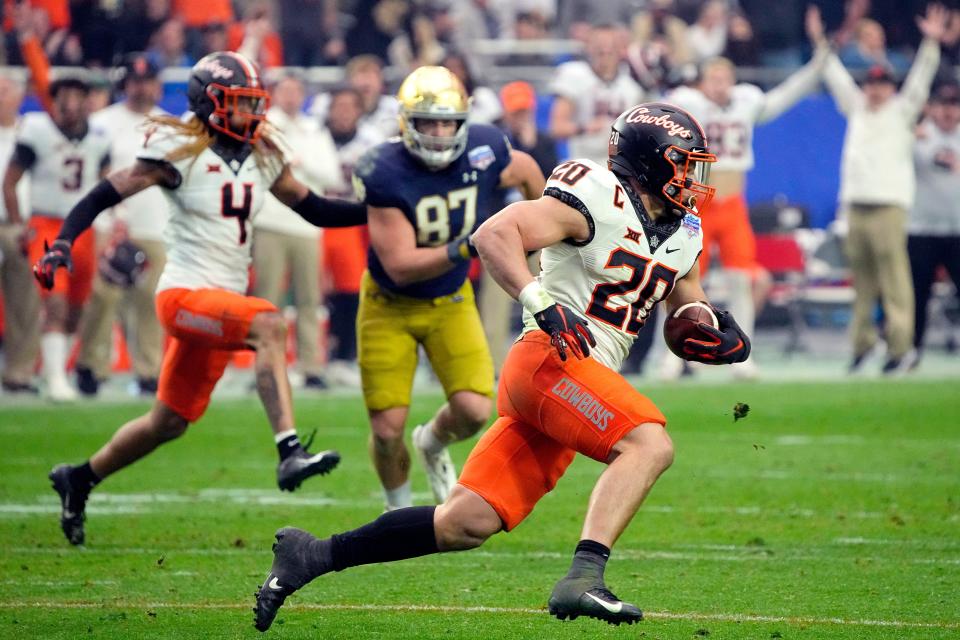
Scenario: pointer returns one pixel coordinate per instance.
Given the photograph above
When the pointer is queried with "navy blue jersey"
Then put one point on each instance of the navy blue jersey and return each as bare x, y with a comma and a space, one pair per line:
443, 206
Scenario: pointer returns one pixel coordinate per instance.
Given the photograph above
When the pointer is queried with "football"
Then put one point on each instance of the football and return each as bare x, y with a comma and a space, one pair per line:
682, 324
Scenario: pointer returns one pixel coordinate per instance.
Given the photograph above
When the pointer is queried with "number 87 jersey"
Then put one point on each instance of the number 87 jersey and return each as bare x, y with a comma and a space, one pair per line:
628, 264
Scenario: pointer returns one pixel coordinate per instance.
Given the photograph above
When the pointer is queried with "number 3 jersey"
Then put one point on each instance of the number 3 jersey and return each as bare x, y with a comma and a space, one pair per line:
208, 235
627, 265
62, 169
443, 206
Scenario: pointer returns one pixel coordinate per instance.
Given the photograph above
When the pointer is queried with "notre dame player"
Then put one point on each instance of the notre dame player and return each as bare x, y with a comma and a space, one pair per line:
425, 192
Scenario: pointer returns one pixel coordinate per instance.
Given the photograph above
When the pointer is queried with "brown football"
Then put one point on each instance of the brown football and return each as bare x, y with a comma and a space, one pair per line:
682, 324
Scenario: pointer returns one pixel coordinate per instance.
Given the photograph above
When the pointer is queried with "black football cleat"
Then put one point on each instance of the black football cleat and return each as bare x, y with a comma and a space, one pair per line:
72, 504
575, 597
295, 557
87, 382
299, 466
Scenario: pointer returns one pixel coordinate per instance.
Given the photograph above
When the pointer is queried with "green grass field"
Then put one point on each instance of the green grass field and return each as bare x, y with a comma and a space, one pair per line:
831, 511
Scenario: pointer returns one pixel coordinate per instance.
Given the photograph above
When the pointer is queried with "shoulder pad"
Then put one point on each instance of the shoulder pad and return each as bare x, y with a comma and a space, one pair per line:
587, 187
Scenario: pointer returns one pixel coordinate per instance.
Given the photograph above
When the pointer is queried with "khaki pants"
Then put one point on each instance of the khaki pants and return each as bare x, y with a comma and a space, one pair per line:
273, 255
21, 339
877, 249
137, 312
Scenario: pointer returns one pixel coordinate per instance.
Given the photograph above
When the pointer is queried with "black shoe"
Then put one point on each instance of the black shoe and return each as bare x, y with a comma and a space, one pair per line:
574, 597
147, 386
295, 557
299, 466
72, 504
20, 387
899, 366
317, 383
87, 383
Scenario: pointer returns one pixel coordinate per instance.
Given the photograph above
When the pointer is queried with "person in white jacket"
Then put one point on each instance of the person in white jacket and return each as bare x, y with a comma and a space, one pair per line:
877, 186
283, 242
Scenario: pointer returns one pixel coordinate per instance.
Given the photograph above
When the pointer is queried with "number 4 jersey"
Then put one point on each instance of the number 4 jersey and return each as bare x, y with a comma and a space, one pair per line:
216, 196
62, 169
627, 265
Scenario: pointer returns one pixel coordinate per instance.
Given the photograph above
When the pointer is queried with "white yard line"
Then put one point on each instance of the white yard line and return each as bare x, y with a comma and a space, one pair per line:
701, 553
417, 608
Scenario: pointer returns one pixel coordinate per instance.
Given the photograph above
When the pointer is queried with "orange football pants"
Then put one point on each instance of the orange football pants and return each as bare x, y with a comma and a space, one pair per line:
205, 326
549, 410
78, 284
726, 228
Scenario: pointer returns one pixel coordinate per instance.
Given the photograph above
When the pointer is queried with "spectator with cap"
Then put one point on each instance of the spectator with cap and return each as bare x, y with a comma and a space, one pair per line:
520, 124
934, 225
21, 335
284, 244
877, 187
131, 301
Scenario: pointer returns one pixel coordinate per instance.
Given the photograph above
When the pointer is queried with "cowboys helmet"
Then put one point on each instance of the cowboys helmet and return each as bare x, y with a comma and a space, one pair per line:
664, 148
224, 88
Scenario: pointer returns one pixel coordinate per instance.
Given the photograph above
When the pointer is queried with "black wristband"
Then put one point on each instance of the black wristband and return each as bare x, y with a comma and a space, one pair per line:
103, 196
326, 212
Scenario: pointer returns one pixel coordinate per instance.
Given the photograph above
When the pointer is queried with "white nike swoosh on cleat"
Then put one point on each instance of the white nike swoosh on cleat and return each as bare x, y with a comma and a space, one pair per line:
612, 608
275, 584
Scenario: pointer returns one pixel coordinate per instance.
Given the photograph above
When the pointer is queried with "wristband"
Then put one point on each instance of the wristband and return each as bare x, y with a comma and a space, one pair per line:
535, 298
458, 251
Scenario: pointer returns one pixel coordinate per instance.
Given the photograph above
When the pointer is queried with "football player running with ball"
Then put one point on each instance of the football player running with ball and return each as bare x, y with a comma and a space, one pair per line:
425, 193
214, 168
615, 242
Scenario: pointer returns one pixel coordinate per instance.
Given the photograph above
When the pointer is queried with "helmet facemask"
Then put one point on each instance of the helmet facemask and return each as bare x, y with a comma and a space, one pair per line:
434, 151
688, 189
249, 104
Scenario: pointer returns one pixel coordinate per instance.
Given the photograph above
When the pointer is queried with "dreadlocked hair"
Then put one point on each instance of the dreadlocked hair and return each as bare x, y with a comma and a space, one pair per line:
268, 149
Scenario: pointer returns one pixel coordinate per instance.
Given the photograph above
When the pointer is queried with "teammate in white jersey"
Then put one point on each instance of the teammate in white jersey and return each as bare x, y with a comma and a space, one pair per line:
215, 169
65, 157
729, 112
139, 220
615, 243
592, 92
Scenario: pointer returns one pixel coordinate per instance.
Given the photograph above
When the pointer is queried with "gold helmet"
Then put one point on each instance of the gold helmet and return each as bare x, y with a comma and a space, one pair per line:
433, 93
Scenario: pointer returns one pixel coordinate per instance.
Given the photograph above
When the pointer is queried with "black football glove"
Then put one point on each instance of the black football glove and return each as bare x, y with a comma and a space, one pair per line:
727, 345
566, 329
54, 257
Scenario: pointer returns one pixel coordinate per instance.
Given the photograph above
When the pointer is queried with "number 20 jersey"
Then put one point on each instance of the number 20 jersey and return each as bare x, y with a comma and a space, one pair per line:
626, 266
208, 235
443, 206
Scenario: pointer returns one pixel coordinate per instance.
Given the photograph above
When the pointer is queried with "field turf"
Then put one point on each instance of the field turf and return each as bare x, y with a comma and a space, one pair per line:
830, 511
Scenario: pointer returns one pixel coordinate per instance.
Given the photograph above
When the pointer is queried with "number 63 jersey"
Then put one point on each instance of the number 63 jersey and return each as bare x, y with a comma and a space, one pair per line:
208, 234
627, 265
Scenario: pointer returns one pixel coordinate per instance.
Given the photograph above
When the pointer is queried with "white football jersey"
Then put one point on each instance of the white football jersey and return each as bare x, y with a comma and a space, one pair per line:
348, 154
729, 129
627, 266
593, 98
8, 137
64, 170
208, 235
144, 213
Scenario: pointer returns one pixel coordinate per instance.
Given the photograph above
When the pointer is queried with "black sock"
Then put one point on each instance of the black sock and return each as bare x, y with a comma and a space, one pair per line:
289, 446
589, 559
396, 535
83, 478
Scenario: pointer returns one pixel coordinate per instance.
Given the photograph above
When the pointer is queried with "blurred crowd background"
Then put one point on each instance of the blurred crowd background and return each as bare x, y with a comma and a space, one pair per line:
332, 66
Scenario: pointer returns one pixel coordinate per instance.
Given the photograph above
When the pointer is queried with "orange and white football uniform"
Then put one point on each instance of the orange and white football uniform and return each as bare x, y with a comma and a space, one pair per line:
61, 171
551, 409
201, 297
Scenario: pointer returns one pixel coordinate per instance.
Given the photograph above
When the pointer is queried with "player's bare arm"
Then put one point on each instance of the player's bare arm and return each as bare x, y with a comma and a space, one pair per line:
524, 173
317, 210
563, 119
394, 239
503, 242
